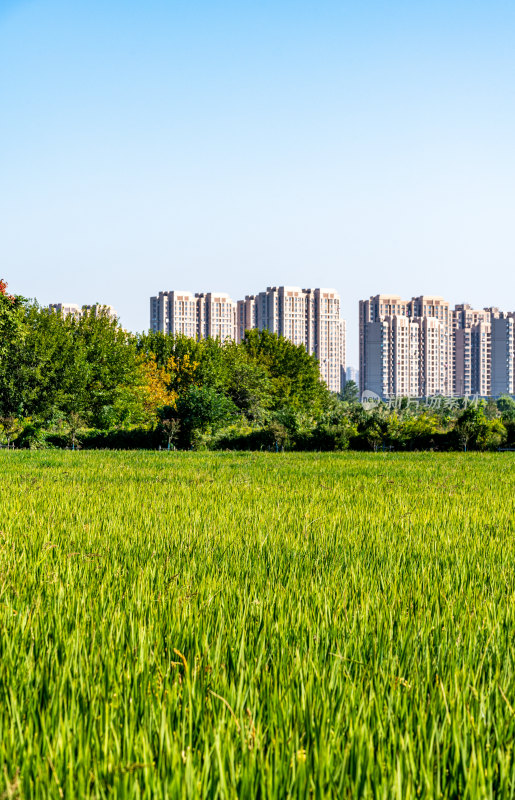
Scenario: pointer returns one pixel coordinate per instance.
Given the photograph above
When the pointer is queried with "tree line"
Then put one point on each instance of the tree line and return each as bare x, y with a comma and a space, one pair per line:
68, 381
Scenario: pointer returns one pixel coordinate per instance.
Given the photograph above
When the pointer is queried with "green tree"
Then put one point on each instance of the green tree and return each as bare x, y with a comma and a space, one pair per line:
247, 383
350, 392
294, 374
373, 428
419, 431
48, 375
11, 337
10, 426
110, 362
474, 431
11, 317
199, 409
506, 406
491, 409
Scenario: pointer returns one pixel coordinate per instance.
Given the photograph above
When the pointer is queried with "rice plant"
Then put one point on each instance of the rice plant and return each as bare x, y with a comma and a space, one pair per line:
187, 625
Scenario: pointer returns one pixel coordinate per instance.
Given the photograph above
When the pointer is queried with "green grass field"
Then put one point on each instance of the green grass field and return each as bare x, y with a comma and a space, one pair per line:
257, 626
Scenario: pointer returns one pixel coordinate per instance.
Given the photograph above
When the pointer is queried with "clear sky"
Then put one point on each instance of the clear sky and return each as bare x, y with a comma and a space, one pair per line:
232, 145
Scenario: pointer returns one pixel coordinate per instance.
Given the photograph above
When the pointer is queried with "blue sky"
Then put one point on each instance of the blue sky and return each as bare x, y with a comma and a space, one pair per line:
233, 145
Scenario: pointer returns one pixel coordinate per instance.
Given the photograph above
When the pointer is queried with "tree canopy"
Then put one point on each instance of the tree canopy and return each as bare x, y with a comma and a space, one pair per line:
84, 380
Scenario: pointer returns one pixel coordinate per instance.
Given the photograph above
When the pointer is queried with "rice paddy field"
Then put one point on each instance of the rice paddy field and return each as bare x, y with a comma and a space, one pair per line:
187, 625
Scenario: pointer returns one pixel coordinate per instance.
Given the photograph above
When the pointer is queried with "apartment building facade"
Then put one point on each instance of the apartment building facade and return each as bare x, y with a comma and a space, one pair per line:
217, 316
198, 316
484, 351
174, 312
423, 348
472, 350
405, 346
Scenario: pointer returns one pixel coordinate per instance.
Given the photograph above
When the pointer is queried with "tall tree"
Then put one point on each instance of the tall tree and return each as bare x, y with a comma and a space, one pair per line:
350, 392
294, 374
11, 335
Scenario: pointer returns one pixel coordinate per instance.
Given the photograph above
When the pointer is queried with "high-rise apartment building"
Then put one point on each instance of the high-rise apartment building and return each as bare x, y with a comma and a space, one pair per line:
503, 355
285, 310
438, 353
66, 309
484, 351
342, 355
174, 312
471, 349
197, 316
352, 374
307, 317
246, 316
329, 339
74, 310
216, 316
422, 348
405, 346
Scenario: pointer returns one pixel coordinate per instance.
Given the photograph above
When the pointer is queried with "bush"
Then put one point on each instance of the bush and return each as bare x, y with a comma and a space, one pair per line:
134, 439
33, 437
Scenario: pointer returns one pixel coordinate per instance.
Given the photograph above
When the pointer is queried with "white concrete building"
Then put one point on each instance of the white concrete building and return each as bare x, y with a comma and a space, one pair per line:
73, 309
216, 313
197, 316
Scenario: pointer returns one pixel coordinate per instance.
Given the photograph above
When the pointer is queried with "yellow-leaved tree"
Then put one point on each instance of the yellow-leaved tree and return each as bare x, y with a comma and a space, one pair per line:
182, 371
156, 387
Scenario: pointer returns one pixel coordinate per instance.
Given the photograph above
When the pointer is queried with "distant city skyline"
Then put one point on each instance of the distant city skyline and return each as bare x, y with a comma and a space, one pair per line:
349, 306
366, 146
352, 333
